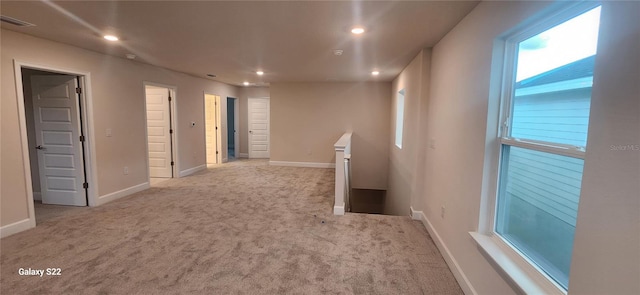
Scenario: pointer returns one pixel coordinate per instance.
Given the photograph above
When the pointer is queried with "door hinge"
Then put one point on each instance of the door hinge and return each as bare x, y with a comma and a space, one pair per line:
169, 98
78, 90
216, 152
172, 163
85, 185
216, 127
82, 138
170, 131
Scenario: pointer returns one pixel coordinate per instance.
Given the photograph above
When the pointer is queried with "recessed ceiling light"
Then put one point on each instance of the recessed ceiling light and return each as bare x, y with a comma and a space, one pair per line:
357, 30
131, 56
337, 52
375, 73
245, 83
211, 75
111, 37
260, 73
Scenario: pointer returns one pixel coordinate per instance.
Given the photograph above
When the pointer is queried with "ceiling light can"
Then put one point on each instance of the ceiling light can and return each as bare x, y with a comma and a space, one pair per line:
357, 30
111, 38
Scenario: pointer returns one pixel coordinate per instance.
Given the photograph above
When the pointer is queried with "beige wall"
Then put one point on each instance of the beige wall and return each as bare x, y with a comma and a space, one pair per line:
118, 103
308, 118
606, 257
460, 106
404, 162
244, 94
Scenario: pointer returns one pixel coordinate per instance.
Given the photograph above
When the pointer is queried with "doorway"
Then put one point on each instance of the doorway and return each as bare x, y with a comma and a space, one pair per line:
54, 131
259, 137
54, 107
212, 128
233, 143
160, 113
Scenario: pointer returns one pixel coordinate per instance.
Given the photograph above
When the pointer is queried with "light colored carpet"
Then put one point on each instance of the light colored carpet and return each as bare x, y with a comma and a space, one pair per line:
240, 228
154, 181
45, 212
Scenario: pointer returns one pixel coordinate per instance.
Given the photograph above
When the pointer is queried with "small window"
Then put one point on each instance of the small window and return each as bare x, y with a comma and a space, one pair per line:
399, 117
543, 139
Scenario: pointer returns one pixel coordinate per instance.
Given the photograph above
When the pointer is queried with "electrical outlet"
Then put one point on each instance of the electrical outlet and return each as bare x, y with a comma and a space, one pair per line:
442, 211
126, 170
109, 133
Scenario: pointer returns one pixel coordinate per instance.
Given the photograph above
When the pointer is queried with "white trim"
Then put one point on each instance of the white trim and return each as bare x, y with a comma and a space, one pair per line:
343, 142
243, 155
338, 210
16, 227
462, 279
415, 215
302, 164
193, 170
553, 148
520, 273
122, 193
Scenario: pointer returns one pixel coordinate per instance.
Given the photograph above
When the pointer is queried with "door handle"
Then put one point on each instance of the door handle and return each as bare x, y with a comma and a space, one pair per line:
40, 148
251, 131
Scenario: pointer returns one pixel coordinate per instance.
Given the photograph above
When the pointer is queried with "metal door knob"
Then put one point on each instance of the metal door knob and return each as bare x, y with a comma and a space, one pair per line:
40, 148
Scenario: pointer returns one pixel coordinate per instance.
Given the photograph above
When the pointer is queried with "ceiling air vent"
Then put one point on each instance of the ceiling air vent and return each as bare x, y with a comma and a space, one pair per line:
16, 22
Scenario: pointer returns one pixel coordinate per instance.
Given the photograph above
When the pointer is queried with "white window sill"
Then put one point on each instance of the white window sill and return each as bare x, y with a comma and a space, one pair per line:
520, 273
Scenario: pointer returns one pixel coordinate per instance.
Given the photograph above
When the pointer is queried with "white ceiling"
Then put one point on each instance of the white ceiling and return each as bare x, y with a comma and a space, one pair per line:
291, 41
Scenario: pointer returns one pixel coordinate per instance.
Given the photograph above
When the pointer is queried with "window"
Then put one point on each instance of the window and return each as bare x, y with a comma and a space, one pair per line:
543, 137
399, 118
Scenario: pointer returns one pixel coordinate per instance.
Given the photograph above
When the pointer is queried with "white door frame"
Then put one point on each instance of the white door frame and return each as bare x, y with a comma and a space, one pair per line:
236, 124
86, 101
218, 123
249, 124
174, 116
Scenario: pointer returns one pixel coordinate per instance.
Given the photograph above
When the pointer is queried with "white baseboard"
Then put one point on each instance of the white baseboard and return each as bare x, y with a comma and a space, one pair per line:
122, 193
16, 227
302, 164
190, 171
338, 210
462, 279
37, 196
243, 155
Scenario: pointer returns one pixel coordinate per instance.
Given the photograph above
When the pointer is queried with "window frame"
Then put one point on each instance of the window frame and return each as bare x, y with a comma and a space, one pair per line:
400, 117
514, 265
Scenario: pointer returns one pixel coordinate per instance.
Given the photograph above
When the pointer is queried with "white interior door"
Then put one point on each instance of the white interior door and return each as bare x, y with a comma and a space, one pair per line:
57, 126
259, 128
158, 132
211, 128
